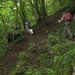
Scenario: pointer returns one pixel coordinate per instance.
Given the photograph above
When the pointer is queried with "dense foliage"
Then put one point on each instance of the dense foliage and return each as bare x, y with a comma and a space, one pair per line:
56, 57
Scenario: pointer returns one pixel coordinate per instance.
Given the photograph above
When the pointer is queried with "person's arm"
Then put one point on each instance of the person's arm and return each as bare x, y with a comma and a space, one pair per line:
61, 19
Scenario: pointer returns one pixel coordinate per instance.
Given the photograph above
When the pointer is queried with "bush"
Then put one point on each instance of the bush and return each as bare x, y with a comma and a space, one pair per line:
22, 56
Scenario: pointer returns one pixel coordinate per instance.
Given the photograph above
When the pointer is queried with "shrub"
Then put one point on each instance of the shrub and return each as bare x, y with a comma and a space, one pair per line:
22, 56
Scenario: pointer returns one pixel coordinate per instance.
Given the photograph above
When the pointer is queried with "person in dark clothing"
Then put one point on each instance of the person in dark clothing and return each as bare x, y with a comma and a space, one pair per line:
27, 23
28, 27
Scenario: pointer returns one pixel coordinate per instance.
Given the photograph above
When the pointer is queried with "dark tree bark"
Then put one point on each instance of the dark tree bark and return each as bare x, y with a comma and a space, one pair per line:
40, 9
61, 2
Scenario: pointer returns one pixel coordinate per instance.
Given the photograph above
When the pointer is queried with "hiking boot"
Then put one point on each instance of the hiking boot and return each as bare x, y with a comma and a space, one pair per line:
69, 38
27, 33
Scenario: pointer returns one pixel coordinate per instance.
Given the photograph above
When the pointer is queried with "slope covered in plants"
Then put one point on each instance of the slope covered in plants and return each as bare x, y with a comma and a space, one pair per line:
44, 53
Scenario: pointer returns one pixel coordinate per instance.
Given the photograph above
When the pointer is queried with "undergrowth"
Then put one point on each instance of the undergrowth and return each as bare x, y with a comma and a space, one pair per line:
55, 58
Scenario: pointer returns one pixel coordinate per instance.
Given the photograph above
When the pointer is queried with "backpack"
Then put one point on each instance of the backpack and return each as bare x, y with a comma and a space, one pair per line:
29, 24
68, 17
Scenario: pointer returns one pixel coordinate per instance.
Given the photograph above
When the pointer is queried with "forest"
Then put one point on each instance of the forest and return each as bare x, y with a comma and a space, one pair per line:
46, 51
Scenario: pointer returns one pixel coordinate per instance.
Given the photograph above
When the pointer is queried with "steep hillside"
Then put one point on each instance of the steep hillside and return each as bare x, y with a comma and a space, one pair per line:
9, 61
51, 22
39, 37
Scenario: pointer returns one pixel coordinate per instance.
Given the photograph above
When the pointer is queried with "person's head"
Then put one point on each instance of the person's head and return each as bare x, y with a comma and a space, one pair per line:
64, 12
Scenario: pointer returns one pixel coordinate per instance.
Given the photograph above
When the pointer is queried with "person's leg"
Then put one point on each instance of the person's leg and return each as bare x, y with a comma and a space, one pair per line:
65, 31
27, 28
68, 30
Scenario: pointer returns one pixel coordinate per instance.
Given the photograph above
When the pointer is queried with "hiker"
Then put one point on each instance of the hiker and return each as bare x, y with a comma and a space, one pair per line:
28, 27
67, 17
27, 23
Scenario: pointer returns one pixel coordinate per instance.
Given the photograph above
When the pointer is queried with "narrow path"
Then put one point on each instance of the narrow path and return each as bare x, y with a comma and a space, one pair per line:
9, 61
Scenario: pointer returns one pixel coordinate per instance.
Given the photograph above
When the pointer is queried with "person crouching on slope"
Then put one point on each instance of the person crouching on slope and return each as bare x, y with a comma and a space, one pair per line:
27, 27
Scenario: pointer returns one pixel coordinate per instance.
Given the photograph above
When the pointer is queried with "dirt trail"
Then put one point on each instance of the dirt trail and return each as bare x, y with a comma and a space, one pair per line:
9, 61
